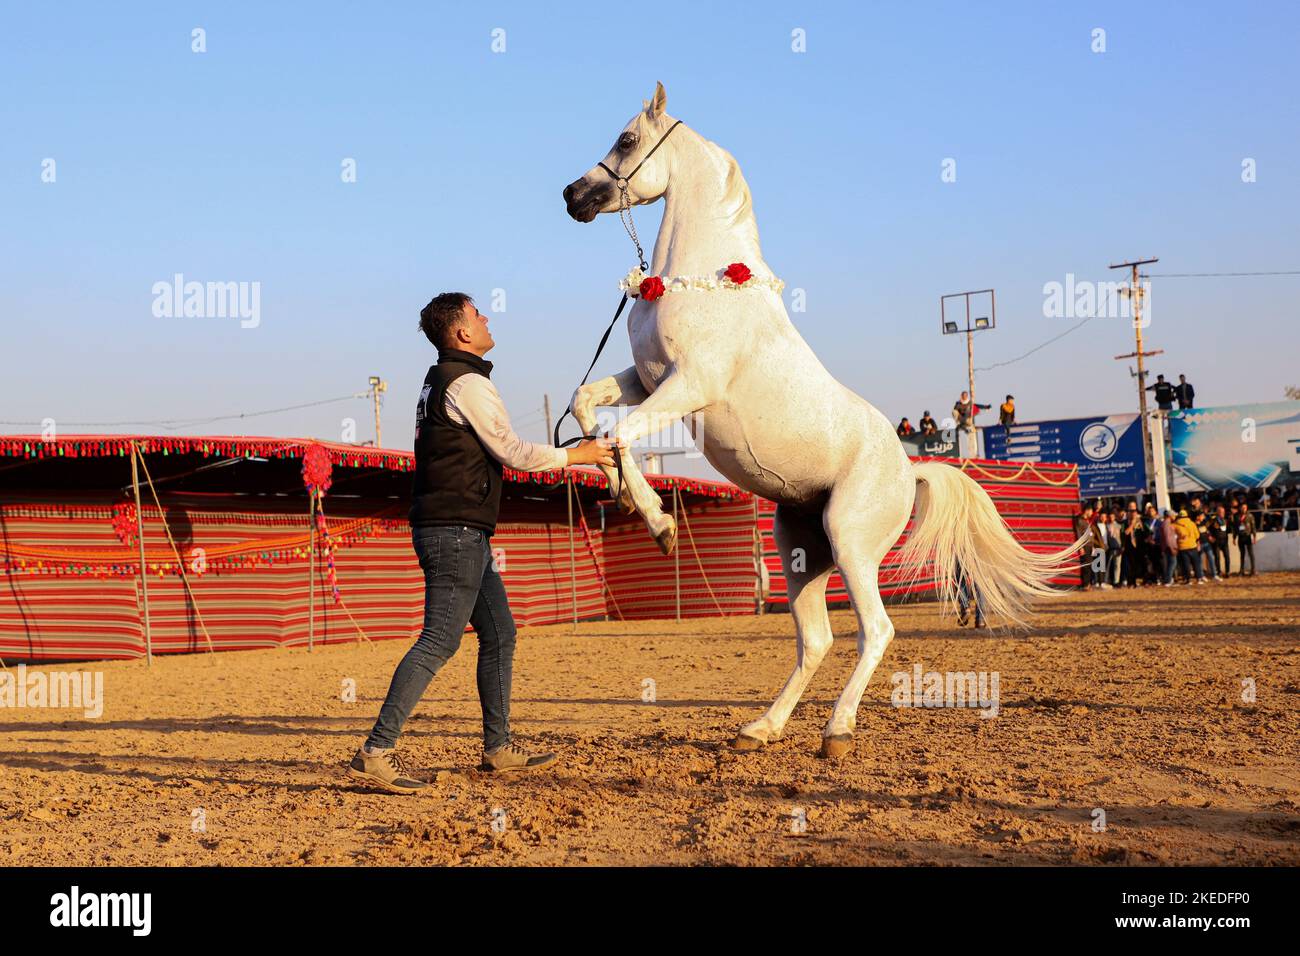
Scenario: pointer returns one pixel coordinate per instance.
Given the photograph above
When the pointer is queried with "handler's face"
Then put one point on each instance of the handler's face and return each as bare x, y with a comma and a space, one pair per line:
477, 338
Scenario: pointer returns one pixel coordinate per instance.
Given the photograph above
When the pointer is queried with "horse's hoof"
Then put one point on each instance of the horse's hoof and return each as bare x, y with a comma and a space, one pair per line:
837, 746
746, 742
667, 538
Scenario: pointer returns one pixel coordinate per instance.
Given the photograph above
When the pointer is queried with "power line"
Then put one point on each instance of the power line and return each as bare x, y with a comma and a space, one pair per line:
186, 422
1199, 275
1054, 338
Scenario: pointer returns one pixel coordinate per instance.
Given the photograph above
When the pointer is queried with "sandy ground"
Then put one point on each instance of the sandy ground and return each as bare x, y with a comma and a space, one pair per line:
1130, 704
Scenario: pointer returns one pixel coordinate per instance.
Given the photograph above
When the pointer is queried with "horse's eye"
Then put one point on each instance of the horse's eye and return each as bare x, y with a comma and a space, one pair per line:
627, 141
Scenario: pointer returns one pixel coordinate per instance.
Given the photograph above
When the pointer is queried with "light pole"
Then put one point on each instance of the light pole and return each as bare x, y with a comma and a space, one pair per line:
377, 388
962, 321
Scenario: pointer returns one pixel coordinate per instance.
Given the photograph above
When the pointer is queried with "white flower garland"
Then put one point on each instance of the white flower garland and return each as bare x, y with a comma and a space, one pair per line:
631, 283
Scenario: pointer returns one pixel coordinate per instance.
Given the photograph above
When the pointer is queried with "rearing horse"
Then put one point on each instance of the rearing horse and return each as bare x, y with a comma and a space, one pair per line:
719, 350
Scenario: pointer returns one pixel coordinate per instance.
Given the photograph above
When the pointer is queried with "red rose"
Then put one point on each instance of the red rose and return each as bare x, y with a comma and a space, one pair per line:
651, 288
738, 273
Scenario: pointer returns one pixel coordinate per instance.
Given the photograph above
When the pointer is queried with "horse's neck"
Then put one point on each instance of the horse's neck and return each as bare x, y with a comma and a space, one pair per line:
700, 236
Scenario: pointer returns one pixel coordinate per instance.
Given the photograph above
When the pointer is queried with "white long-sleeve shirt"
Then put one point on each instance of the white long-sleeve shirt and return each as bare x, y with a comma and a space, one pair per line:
474, 401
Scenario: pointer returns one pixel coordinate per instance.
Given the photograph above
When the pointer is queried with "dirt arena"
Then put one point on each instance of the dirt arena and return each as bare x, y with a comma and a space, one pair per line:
1127, 703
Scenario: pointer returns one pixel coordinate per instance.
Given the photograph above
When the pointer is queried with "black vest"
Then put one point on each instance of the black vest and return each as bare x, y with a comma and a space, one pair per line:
457, 481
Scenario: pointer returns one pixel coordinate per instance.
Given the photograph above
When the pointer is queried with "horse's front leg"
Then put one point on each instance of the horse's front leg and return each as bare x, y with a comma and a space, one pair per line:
671, 401
625, 388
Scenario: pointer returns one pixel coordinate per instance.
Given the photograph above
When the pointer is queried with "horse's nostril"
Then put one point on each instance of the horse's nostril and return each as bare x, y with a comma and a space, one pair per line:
568, 193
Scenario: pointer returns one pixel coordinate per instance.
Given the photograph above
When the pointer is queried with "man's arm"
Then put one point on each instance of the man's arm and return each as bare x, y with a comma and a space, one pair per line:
474, 401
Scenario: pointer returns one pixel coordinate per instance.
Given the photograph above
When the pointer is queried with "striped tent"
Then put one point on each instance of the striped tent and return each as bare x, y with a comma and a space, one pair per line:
238, 513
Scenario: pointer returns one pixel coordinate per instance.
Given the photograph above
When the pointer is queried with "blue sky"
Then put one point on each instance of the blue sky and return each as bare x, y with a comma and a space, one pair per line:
225, 166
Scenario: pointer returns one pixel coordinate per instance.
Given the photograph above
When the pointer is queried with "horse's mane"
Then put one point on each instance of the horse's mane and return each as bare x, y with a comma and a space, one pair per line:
736, 202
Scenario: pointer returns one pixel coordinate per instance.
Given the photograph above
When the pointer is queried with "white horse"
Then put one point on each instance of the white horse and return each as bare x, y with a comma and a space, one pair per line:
768, 416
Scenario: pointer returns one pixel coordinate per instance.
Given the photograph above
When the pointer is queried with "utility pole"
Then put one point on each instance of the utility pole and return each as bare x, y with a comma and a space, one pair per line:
377, 388
1136, 294
546, 406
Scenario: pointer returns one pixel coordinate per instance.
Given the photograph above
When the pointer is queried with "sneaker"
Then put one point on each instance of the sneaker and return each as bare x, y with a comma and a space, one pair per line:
962, 617
511, 757
386, 769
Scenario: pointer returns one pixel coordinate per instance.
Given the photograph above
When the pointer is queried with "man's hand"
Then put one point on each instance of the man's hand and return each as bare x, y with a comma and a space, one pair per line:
595, 451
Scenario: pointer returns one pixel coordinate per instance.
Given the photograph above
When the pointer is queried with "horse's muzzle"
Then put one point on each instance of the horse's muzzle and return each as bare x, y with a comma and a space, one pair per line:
584, 201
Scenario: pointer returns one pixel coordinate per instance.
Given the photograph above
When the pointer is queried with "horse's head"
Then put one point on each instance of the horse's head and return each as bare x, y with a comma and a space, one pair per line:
597, 191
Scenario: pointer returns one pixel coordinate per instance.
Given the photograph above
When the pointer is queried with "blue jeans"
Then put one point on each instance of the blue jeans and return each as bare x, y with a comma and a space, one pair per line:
461, 586
964, 589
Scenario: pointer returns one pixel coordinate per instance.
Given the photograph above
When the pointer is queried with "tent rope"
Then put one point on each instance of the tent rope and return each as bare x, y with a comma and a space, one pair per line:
690, 536
180, 562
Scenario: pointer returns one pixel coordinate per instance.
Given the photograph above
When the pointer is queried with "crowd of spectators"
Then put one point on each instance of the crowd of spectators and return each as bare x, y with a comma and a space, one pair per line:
1189, 543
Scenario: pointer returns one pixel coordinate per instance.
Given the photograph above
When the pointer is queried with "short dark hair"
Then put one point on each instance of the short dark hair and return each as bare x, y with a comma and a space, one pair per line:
440, 317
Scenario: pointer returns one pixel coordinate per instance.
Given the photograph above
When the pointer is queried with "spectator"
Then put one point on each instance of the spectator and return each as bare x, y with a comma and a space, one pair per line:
1007, 412
1155, 545
928, 424
966, 596
1085, 528
905, 429
1189, 537
1220, 534
1245, 531
964, 410
1110, 533
1184, 392
1205, 560
1164, 393
1168, 547
1133, 546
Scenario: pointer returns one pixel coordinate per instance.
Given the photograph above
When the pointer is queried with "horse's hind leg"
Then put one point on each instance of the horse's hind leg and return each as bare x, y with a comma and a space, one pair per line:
861, 537
806, 558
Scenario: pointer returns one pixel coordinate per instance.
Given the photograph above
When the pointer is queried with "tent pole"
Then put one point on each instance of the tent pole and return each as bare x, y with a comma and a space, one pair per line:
677, 560
573, 561
311, 570
144, 570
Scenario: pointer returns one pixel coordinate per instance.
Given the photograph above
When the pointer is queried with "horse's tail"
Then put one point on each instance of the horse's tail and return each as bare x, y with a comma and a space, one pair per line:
957, 523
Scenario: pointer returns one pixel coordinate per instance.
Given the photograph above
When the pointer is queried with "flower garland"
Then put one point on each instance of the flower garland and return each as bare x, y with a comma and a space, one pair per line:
637, 285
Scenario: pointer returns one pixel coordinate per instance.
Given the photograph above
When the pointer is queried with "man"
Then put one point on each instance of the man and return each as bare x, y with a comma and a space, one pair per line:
928, 425
1085, 527
1007, 412
1205, 560
964, 410
463, 439
1164, 394
1134, 546
967, 595
1189, 537
905, 429
1184, 392
1169, 546
1245, 531
1220, 534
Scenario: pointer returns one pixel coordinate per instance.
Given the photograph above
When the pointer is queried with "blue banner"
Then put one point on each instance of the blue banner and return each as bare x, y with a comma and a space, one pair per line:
1234, 446
1108, 450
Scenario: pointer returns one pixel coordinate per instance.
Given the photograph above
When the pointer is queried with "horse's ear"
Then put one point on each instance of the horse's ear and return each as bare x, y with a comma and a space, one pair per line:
655, 107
